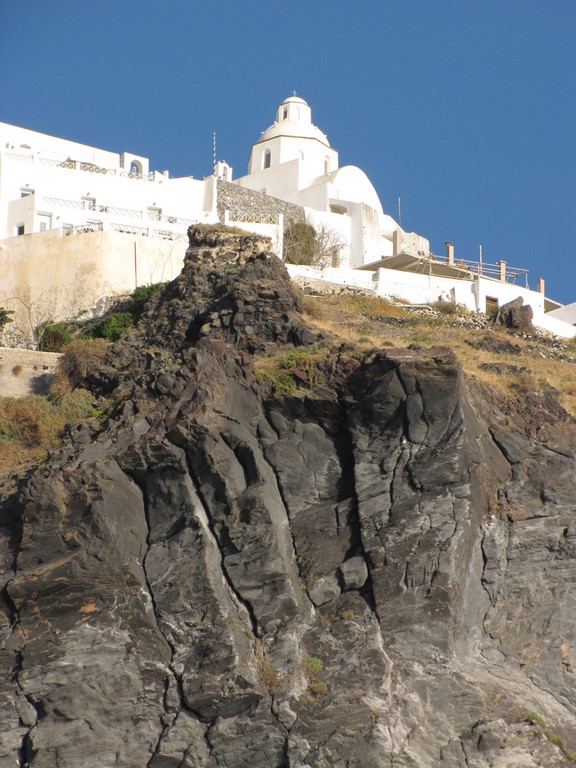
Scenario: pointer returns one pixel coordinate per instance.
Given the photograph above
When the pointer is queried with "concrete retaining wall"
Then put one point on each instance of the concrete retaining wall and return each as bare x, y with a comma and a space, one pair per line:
25, 372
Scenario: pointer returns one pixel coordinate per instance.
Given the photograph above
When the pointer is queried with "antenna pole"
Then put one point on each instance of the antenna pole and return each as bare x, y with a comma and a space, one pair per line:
214, 152
399, 213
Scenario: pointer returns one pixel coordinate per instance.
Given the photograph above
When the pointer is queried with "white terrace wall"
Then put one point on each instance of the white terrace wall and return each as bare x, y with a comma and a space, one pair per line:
46, 276
341, 276
423, 289
427, 289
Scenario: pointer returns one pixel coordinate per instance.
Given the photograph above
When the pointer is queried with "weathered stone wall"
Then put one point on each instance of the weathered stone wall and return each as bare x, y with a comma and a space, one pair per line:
236, 199
24, 372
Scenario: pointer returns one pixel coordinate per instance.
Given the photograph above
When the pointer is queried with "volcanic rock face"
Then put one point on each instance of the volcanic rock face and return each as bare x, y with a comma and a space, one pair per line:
376, 572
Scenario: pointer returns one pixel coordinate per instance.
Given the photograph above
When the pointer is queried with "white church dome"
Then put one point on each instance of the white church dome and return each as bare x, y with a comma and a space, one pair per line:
294, 118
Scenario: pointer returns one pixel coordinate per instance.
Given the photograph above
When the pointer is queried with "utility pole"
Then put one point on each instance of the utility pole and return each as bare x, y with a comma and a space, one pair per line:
214, 153
399, 213
480, 247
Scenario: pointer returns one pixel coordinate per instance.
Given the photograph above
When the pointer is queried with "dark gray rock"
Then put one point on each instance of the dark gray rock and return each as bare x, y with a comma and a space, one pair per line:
378, 572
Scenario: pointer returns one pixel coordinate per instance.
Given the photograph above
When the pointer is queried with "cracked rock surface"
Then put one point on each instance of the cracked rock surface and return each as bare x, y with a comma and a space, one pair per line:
378, 571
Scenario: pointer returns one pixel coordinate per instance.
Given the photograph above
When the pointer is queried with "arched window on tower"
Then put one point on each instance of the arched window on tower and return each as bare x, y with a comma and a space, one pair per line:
284, 113
266, 159
326, 164
135, 168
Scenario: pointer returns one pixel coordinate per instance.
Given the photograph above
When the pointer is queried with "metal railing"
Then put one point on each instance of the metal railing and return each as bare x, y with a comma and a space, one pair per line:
129, 229
130, 213
82, 165
501, 272
57, 201
253, 217
166, 235
93, 226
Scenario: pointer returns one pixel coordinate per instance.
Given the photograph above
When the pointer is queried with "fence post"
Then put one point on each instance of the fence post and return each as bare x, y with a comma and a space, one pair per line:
502, 270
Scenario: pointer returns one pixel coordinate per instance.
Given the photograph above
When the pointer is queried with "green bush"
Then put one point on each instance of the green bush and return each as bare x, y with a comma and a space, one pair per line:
53, 337
5, 317
140, 297
113, 326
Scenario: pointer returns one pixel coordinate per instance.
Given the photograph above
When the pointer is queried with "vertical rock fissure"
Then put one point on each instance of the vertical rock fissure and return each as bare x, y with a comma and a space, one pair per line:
368, 589
233, 591
177, 678
26, 752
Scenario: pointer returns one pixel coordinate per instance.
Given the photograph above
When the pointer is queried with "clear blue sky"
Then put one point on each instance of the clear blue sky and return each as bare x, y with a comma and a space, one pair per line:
465, 109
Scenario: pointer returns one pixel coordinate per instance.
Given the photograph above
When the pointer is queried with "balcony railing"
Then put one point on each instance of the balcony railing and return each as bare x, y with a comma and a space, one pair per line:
128, 229
130, 213
80, 165
501, 271
253, 217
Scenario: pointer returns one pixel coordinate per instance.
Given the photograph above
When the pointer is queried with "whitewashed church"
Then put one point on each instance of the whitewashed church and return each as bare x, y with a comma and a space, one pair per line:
79, 224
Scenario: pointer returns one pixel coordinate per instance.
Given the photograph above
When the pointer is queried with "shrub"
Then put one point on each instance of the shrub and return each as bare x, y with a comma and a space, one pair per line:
31, 420
140, 297
79, 358
313, 666
291, 368
299, 239
303, 244
113, 326
34, 421
5, 317
450, 308
53, 337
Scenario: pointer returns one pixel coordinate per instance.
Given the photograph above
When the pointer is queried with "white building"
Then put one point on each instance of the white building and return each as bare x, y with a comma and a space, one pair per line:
79, 224
293, 160
51, 183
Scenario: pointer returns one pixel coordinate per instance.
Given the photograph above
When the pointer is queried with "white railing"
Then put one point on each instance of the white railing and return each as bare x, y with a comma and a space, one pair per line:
175, 220
64, 203
165, 235
252, 217
130, 213
129, 229
81, 165
93, 226
25, 158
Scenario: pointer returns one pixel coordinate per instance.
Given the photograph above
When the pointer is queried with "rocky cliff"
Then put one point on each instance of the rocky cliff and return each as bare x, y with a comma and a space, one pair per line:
375, 571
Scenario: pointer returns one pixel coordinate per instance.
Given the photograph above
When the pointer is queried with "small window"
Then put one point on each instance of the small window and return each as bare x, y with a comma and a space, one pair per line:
20, 229
284, 113
26, 192
326, 165
267, 158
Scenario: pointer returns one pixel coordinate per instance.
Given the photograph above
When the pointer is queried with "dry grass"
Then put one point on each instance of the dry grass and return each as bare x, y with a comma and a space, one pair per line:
31, 425
79, 358
268, 675
365, 322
